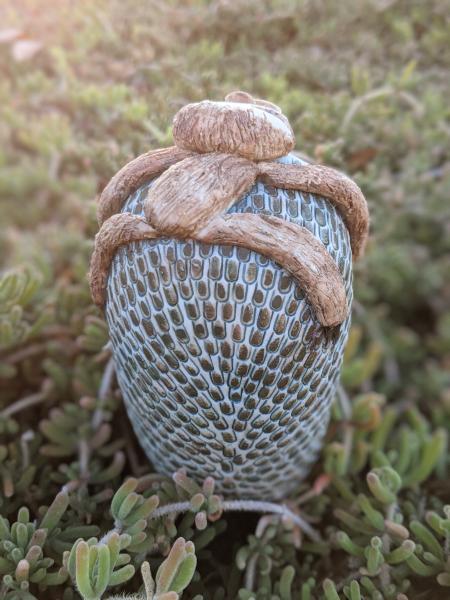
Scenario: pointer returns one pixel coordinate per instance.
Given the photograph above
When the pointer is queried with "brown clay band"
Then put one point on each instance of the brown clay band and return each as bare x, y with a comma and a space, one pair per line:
135, 173
191, 193
118, 230
295, 249
340, 190
188, 202
290, 245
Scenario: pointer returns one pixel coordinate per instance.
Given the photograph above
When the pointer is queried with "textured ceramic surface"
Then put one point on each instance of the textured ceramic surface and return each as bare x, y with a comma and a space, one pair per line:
223, 365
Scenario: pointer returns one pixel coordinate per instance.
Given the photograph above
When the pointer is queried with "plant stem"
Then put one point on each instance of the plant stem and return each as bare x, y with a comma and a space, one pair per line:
385, 575
246, 506
344, 402
25, 438
24, 353
22, 404
84, 449
104, 390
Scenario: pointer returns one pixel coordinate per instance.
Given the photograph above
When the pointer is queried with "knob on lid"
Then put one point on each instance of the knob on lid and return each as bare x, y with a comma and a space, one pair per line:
242, 125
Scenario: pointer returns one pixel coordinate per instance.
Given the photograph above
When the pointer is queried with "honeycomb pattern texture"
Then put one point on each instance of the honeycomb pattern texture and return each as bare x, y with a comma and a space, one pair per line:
223, 366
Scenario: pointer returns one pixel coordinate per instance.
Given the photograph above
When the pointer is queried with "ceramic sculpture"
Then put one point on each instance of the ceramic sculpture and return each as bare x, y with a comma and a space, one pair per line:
224, 266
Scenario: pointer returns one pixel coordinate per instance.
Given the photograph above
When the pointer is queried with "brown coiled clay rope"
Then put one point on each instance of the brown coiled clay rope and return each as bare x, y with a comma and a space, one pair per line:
221, 149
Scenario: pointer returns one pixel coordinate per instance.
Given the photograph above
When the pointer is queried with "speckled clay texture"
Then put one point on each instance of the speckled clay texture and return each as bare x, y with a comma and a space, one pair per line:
223, 365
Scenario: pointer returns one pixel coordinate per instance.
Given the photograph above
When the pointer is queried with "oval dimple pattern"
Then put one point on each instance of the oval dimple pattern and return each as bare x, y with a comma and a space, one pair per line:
223, 366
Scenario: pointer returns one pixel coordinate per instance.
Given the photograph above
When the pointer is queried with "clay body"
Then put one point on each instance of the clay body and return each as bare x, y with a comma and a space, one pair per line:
223, 364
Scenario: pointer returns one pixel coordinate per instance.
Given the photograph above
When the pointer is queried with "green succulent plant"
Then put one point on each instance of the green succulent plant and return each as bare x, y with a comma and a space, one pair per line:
366, 89
172, 577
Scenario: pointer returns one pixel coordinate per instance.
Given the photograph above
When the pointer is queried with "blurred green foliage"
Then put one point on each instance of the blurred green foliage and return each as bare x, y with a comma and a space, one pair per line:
85, 86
